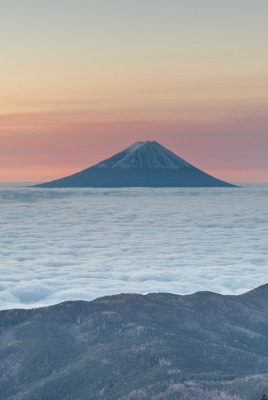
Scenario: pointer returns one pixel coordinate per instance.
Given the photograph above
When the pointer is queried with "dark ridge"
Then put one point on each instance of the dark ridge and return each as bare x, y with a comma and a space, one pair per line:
132, 346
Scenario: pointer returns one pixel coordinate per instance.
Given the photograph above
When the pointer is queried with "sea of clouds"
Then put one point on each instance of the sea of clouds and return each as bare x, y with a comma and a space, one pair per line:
66, 244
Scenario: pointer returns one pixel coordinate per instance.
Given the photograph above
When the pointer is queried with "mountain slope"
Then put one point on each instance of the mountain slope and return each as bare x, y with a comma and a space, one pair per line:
137, 347
144, 164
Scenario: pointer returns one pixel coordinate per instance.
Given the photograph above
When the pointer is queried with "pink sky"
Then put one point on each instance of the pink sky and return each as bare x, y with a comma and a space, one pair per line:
45, 146
82, 80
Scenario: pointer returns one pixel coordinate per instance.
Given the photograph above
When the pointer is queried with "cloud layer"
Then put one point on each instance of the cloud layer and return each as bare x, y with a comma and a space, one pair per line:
64, 244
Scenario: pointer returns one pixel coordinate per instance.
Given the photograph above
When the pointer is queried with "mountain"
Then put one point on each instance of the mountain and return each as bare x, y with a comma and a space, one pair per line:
159, 346
144, 164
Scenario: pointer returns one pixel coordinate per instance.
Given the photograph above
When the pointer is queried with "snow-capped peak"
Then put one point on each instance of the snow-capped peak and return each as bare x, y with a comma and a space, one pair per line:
149, 154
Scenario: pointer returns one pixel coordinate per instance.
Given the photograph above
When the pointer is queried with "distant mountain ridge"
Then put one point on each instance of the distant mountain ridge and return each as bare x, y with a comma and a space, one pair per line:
158, 346
144, 164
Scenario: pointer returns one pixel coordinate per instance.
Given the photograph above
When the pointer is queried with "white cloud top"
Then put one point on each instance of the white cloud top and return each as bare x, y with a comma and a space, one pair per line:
64, 244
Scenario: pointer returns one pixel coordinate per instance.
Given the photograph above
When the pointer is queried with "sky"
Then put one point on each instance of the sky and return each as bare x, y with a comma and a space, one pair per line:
81, 80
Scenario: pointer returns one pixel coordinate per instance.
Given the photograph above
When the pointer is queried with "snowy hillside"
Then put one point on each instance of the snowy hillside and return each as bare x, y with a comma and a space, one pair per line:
145, 155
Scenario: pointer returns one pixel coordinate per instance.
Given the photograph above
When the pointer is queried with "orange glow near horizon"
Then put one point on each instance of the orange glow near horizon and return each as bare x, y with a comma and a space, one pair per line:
87, 80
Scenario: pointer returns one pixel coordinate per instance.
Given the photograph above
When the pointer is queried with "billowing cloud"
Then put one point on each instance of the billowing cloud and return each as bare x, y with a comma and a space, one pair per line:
62, 244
